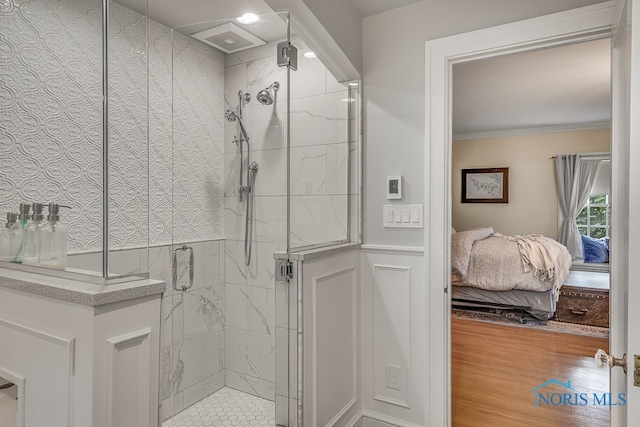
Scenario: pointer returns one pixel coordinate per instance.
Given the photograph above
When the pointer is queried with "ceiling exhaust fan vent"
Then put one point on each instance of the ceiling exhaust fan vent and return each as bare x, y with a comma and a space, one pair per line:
229, 38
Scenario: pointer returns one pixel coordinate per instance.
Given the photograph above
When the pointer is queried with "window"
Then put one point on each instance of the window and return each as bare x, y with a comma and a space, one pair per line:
594, 219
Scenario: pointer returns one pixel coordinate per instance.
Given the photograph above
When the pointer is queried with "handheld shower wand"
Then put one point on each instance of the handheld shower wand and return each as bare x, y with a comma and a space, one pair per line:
243, 99
252, 169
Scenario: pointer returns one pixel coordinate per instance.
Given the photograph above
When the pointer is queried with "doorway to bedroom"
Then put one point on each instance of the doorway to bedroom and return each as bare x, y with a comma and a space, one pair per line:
518, 326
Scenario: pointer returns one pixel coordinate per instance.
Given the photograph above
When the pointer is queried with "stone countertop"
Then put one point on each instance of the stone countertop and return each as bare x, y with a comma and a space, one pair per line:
78, 292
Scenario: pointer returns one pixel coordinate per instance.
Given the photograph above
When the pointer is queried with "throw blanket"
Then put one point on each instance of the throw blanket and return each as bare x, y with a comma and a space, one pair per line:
501, 263
539, 254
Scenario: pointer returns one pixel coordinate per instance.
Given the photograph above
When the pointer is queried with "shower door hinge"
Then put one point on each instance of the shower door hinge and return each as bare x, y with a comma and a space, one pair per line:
287, 55
284, 271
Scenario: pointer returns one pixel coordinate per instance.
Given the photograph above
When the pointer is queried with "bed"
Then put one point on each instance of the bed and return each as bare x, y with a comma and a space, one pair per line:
511, 272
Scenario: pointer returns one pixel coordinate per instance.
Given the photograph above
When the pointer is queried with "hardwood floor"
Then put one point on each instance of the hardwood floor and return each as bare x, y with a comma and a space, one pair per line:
495, 369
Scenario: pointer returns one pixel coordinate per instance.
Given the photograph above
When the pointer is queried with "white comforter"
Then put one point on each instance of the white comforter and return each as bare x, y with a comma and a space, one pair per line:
491, 261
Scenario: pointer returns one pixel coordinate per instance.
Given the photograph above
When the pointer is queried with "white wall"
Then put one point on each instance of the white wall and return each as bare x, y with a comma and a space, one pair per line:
394, 73
343, 22
394, 126
533, 197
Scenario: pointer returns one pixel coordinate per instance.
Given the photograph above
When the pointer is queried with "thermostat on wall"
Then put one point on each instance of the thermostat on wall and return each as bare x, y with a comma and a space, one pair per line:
394, 187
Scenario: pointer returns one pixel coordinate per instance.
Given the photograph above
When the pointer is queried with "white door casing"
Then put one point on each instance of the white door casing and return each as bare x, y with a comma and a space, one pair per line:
626, 198
572, 26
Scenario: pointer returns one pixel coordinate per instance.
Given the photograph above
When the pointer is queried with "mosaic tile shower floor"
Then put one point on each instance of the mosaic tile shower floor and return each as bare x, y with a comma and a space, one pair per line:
226, 407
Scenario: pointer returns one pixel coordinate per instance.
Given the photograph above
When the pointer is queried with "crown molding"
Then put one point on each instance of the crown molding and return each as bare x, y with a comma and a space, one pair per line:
532, 130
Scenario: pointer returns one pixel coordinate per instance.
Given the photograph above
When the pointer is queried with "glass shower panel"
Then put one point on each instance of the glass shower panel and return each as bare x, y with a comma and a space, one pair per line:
51, 120
127, 140
217, 121
320, 152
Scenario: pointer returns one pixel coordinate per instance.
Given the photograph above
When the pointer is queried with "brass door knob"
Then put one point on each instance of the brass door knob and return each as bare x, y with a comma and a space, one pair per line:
603, 360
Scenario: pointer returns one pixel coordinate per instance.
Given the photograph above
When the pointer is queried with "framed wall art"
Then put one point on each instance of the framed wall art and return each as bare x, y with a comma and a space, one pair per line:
487, 185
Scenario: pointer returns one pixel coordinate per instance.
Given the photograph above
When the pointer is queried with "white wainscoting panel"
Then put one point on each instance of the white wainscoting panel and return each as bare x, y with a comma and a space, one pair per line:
331, 340
392, 334
334, 359
47, 381
394, 357
128, 376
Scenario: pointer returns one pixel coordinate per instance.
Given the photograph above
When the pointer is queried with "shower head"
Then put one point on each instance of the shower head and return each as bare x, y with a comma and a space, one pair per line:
231, 115
244, 98
264, 96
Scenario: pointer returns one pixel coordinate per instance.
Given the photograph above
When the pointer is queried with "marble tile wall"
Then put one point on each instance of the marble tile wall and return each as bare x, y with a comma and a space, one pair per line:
319, 175
193, 338
192, 328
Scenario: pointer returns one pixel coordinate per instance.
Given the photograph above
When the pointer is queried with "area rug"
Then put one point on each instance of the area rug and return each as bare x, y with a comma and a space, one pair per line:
525, 320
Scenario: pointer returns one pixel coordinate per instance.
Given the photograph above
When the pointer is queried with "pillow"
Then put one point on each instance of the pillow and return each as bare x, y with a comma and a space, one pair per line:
461, 245
594, 250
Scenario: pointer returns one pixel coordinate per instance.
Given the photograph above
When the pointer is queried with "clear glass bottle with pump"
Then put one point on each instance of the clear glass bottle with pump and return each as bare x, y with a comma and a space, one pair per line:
5, 238
17, 232
53, 240
31, 237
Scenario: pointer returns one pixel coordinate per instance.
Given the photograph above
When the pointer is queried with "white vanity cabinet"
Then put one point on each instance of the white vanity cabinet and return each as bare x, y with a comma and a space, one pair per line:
82, 355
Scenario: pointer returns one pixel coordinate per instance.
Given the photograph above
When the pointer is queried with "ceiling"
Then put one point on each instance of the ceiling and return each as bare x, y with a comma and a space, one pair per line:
561, 88
187, 14
373, 7
176, 13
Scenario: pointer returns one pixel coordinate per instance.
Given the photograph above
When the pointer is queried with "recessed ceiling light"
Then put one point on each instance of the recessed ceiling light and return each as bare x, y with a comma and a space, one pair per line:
229, 41
310, 55
248, 18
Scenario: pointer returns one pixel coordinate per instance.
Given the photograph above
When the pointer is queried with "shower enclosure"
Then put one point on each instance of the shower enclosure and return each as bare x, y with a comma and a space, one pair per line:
272, 147
188, 154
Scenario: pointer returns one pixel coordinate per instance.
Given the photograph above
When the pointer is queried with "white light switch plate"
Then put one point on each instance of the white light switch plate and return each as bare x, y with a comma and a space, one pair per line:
402, 216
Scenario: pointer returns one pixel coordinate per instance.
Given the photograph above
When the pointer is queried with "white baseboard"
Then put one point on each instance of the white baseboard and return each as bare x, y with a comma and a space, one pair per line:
376, 419
356, 421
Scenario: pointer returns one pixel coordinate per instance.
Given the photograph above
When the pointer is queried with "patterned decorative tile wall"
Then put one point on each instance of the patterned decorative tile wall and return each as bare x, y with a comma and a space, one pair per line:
51, 70
198, 150
51, 102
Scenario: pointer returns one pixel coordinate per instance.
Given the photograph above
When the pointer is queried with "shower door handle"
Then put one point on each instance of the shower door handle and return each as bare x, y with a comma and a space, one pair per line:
175, 268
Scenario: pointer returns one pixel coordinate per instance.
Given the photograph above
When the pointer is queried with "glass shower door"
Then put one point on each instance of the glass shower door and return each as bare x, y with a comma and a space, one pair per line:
218, 136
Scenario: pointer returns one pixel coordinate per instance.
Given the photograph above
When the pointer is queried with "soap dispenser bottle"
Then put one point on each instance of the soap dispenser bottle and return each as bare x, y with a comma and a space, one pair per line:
17, 232
5, 238
31, 236
53, 240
